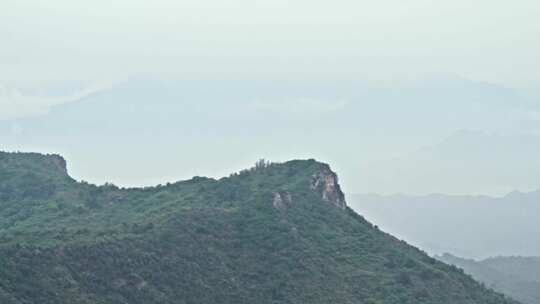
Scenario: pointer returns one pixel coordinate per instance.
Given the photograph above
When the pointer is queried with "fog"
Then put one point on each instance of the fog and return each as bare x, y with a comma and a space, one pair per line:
47, 42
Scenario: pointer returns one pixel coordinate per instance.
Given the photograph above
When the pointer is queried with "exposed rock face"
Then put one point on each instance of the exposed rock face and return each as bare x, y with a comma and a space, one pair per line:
282, 200
326, 184
59, 162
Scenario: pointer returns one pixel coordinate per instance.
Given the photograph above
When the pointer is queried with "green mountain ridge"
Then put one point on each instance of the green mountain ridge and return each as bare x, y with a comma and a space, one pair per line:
275, 233
518, 277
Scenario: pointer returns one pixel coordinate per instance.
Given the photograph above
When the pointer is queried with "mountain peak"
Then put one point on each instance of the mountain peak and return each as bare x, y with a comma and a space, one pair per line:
318, 176
47, 164
326, 183
31, 176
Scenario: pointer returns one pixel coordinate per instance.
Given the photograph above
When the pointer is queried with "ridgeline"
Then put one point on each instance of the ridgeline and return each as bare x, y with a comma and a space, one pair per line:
275, 233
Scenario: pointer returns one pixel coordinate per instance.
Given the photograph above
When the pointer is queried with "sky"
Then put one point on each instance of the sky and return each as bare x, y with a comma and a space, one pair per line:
317, 60
46, 42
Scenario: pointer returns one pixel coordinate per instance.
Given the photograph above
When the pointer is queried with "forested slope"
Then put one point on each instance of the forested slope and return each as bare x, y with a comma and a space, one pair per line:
276, 233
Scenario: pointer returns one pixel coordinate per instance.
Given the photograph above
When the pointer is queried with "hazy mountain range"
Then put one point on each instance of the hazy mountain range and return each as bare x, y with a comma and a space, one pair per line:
468, 226
386, 139
468, 162
518, 277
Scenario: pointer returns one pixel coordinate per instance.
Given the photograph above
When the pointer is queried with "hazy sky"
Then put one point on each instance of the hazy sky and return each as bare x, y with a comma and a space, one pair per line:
64, 40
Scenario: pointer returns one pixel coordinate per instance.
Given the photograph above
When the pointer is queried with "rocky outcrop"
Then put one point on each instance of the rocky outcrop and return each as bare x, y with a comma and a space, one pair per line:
58, 162
282, 200
326, 184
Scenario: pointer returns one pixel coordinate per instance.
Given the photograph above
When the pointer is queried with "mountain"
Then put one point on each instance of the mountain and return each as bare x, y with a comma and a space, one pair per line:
488, 226
466, 162
518, 277
377, 128
275, 233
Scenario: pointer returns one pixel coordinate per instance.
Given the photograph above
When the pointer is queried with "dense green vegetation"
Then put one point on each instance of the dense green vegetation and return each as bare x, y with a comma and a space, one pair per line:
518, 277
275, 233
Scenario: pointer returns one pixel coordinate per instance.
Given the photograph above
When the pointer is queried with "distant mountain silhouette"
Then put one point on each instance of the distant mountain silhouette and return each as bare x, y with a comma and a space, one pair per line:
467, 162
518, 277
122, 124
469, 226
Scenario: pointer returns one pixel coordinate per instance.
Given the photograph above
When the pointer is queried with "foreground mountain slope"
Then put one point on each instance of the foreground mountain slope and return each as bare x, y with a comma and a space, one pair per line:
278, 233
518, 277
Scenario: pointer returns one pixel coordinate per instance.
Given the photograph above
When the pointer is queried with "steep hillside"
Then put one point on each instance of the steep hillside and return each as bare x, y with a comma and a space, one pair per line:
518, 277
276, 233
